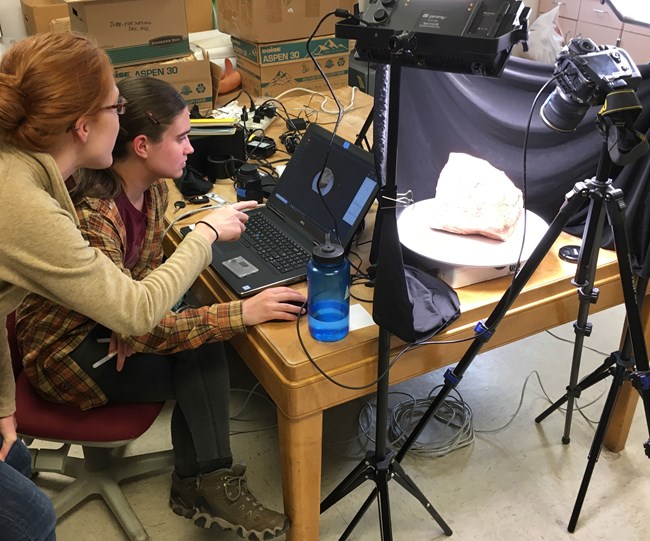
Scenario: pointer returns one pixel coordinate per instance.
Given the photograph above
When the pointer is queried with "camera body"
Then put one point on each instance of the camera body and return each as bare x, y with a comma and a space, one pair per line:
585, 74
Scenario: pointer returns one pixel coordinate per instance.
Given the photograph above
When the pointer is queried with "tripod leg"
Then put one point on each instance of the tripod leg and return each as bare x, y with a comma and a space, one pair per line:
407, 483
383, 502
597, 443
362, 511
597, 375
361, 473
616, 213
361, 137
584, 280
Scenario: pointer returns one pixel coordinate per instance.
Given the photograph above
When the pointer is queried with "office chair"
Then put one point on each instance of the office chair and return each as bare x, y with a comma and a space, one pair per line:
102, 432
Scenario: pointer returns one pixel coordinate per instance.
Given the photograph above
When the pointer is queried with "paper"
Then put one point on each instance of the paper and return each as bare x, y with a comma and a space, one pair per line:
359, 317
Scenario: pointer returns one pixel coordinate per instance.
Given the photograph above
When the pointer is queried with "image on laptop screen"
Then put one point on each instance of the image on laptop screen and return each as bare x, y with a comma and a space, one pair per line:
346, 185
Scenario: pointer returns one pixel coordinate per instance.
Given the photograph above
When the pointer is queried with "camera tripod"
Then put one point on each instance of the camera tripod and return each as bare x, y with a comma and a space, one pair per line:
582, 328
604, 200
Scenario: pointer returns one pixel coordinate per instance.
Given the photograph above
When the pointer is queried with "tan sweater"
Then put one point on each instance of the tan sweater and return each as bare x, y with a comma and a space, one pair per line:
42, 251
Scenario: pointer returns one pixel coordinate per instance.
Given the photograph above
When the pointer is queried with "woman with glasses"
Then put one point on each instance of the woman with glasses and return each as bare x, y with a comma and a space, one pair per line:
121, 211
59, 112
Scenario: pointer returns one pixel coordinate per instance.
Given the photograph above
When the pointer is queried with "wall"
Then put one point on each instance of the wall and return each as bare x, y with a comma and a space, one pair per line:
11, 19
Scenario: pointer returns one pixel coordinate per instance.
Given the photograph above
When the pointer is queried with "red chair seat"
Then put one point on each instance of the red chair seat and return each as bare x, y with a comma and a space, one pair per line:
63, 422
103, 434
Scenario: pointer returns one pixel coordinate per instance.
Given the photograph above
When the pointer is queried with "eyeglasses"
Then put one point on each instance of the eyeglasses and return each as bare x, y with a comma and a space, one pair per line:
120, 109
120, 106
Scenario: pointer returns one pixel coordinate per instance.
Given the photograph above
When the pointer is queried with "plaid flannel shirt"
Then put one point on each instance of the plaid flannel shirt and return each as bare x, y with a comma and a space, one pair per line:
49, 332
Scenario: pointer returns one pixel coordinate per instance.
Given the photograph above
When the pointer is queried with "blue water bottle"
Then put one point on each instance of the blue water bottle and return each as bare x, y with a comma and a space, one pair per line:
328, 290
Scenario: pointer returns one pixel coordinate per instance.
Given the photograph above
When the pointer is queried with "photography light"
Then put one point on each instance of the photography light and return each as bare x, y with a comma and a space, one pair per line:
447, 35
631, 11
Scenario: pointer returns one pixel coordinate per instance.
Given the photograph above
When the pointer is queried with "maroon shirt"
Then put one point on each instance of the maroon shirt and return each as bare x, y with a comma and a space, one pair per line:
135, 222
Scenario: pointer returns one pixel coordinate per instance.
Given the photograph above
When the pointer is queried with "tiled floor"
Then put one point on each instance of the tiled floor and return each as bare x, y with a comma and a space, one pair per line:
516, 483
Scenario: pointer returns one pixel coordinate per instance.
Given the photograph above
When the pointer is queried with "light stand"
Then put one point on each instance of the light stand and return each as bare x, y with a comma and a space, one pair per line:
394, 31
380, 465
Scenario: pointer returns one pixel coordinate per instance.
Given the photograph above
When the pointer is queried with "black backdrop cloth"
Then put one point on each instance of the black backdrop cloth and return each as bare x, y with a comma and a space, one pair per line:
486, 118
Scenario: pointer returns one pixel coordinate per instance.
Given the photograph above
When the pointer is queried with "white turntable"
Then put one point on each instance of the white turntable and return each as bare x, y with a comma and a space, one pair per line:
467, 259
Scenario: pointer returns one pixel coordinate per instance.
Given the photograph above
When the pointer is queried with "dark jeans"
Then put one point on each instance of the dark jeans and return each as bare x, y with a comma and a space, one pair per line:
197, 379
26, 514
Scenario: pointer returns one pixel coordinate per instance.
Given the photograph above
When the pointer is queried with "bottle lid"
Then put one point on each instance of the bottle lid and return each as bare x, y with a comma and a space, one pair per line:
328, 253
248, 171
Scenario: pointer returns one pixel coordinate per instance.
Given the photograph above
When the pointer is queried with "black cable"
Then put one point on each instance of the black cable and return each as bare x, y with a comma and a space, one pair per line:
338, 383
524, 182
252, 102
336, 125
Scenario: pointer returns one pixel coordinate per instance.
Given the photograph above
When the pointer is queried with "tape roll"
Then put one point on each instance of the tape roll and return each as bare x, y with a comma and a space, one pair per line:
220, 166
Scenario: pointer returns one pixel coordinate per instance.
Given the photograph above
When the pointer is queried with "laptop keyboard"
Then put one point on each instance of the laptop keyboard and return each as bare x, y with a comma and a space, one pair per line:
274, 245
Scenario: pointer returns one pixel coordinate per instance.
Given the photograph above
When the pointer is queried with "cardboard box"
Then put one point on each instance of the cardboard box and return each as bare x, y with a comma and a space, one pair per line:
362, 75
199, 15
133, 31
216, 71
264, 21
39, 13
62, 25
269, 69
189, 75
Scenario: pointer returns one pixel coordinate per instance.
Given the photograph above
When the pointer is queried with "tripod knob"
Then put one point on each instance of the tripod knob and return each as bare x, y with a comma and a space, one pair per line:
381, 15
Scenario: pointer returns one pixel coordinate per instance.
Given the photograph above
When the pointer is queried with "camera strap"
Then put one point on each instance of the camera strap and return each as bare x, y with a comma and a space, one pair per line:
618, 113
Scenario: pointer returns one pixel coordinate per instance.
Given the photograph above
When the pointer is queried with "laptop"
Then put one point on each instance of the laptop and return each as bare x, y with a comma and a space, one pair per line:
348, 186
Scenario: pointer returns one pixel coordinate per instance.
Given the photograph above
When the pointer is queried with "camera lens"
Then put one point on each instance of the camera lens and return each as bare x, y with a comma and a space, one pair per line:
561, 113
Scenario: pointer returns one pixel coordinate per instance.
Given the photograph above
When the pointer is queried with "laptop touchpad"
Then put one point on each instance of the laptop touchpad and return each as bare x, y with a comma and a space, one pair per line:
240, 266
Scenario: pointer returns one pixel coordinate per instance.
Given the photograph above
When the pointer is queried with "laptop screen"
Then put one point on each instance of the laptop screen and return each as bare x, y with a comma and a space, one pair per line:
348, 185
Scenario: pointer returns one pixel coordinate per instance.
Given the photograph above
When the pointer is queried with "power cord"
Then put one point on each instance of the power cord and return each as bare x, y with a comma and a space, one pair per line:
237, 416
453, 414
334, 381
290, 140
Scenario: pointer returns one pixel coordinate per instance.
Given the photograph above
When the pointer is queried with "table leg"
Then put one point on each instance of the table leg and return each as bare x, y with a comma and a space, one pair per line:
625, 406
300, 455
622, 415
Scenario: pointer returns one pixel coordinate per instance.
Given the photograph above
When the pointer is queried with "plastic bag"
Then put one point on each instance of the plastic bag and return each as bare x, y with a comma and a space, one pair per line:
545, 39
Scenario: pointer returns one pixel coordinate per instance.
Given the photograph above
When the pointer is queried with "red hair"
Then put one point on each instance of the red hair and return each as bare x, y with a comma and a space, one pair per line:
47, 82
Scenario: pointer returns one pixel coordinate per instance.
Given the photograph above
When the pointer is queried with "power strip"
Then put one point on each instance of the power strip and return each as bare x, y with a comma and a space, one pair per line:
233, 110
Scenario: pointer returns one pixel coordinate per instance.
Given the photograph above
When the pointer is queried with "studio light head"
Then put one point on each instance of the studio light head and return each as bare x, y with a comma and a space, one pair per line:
446, 35
585, 73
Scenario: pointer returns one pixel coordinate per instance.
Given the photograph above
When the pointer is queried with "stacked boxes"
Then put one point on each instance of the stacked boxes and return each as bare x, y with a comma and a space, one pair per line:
265, 21
133, 30
189, 75
147, 37
270, 42
268, 69
199, 15
39, 13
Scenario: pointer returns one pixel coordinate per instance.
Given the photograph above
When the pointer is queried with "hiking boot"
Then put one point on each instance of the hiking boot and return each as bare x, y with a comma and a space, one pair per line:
222, 498
183, 495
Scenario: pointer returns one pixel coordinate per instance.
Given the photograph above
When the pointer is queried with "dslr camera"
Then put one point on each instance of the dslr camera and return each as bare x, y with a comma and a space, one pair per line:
585, 74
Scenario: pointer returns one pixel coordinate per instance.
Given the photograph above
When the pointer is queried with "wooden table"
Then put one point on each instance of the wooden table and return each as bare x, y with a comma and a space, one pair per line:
301, 393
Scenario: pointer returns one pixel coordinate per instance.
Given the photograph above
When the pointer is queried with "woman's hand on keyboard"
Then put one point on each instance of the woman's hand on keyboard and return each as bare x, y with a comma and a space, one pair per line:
273, 304
228, 221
